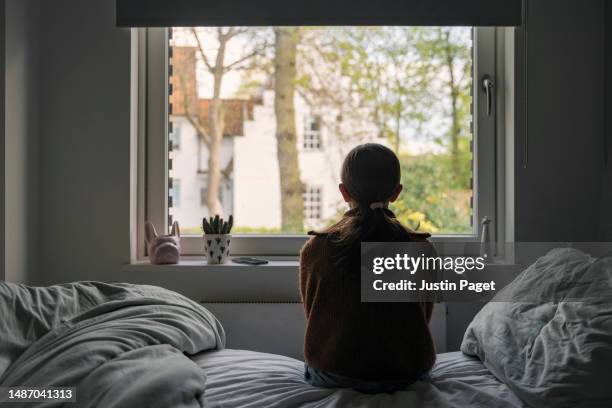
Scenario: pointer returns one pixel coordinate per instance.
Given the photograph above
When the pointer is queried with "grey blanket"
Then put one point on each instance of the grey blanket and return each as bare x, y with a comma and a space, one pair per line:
120, 345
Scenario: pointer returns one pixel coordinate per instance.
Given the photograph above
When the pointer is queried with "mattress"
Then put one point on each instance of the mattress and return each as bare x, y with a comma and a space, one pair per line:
240, 378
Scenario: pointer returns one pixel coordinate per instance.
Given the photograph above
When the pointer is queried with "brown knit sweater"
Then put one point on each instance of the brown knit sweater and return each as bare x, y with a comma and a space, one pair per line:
369, 341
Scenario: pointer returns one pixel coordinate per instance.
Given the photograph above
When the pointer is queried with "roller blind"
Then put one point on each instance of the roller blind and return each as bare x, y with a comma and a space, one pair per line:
172, 13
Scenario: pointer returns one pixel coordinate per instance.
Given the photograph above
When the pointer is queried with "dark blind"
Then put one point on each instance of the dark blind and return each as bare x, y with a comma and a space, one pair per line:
176, 13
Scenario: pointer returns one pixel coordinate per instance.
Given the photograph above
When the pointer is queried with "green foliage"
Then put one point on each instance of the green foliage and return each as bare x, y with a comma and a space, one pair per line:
217, 225
428, 201
411, 85
415, 83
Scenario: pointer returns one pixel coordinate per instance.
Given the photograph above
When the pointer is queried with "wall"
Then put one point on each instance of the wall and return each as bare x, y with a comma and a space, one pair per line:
608, 81
606, 202
85, 142
2, 137
21, 133
557, 194
248, 326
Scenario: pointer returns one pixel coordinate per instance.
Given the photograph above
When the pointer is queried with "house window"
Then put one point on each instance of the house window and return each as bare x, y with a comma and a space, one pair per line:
175, 138
312, 133
313, 203
174, 197
391, 85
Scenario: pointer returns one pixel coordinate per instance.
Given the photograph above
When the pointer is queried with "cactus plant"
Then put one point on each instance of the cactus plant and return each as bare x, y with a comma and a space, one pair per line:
217, 225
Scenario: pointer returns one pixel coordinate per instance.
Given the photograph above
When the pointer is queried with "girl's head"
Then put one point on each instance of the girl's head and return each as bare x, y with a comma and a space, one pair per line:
370, 181
370, 174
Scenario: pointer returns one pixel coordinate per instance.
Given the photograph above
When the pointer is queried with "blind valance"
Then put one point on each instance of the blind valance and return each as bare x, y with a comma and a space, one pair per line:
174, 13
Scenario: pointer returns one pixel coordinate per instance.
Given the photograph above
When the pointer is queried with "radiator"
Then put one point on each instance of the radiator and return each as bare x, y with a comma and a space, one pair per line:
278, 328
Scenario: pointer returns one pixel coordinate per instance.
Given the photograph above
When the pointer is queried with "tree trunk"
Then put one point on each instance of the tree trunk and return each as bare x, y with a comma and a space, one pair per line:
215, 118
292, 205
397, 141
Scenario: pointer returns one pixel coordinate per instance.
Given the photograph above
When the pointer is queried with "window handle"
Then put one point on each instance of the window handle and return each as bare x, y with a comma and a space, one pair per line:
485, 238
487, 86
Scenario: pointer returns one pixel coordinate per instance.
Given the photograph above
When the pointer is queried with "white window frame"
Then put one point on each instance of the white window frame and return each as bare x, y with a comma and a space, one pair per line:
308, 192
150, 51
308, 135
175, 139
175, 183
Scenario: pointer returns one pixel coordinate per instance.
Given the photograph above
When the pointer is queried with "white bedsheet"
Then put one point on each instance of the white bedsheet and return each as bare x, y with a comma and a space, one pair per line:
239, 378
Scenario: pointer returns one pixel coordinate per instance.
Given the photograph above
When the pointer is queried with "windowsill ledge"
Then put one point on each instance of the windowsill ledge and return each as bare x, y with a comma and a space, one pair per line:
194, 264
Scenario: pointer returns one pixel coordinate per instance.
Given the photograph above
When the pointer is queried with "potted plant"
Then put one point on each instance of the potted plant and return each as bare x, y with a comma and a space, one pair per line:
217, 238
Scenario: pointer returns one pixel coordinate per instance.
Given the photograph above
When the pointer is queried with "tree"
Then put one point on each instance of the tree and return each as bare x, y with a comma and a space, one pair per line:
454, 57
387, 76
292, 207
448, 55
210, 127
413, 80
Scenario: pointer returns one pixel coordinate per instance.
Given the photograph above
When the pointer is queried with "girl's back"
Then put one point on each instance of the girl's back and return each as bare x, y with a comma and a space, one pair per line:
345, 337
369, 341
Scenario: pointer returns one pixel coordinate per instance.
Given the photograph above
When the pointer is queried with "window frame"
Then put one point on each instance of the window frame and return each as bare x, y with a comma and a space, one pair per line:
174, 185
151, 51
175, 139
309, 136
311, 191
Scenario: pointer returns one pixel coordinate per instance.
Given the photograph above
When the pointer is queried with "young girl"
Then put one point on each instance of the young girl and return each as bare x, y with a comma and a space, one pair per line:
370, 347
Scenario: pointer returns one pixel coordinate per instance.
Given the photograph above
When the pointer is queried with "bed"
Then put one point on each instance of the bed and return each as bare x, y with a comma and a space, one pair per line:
239, 378
131, 346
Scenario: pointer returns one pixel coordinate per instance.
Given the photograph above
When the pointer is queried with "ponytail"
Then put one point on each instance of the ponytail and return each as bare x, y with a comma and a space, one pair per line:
358, 225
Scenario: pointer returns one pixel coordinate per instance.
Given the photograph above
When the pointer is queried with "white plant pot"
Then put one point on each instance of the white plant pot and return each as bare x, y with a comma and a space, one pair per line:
217, 248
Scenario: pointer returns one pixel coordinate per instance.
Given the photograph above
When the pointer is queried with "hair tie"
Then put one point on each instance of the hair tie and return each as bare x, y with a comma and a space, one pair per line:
379, 204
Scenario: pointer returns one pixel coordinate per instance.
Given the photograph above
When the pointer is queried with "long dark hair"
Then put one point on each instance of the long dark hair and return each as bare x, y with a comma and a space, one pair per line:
371, 173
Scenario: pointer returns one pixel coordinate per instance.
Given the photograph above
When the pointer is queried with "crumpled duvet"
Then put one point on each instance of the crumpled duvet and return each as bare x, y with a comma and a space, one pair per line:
555, 353
120, 345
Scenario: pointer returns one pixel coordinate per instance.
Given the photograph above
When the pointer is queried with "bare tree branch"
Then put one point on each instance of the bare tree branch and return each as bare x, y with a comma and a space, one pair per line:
192, 118
234, 64
201, 49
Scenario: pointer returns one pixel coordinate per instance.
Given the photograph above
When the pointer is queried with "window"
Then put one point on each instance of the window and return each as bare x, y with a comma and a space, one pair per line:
175, 194
312, 133
175, 138
392, 85
312, 203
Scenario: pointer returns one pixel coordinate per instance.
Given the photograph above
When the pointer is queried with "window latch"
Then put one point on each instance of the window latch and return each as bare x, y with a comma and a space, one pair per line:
487, 86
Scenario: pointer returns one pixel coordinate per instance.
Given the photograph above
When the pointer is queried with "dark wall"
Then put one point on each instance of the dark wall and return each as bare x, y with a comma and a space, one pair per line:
558, 184
606, 202
2, 175
608, 81
84, 142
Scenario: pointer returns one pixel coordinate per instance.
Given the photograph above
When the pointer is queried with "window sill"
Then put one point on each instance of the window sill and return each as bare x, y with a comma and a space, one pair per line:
198, 264
195, 264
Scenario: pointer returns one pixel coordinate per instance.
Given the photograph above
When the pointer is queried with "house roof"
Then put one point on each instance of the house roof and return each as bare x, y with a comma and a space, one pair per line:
235, 113
184, 96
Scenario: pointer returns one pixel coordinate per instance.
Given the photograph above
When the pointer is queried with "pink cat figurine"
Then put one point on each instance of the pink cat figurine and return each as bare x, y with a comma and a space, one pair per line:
163, 249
